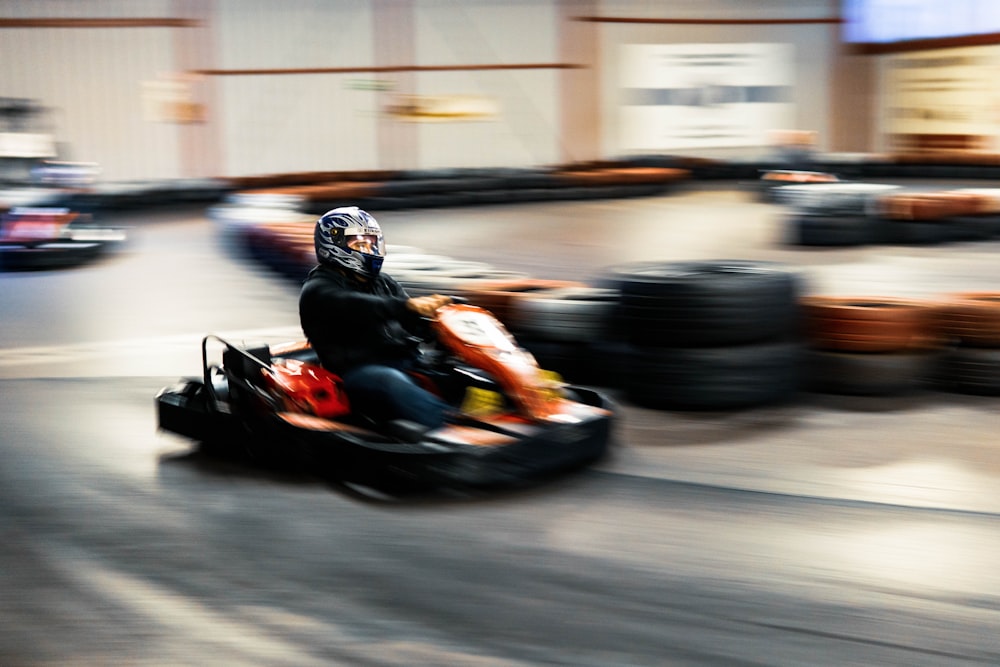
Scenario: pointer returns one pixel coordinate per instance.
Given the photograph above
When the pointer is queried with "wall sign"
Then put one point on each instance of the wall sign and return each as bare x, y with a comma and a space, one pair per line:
438, 108
680, 96
943, 100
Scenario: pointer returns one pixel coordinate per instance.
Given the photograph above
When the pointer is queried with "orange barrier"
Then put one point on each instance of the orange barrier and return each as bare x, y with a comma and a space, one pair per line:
868, 324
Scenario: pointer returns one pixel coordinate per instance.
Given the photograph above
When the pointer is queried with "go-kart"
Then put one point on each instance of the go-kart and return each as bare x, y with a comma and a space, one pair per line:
514, 422
50, 237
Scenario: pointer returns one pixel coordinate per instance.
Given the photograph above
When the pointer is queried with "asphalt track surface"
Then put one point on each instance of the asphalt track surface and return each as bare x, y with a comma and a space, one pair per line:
822, 532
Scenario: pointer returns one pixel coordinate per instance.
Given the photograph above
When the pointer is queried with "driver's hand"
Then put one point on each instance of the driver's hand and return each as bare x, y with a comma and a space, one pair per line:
426, 306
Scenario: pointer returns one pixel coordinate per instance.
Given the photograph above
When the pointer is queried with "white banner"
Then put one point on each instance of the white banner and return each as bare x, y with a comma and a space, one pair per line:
681, 96
27, 145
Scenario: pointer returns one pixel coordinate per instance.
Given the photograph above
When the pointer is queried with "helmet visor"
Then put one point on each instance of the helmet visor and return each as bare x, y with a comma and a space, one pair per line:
366, 244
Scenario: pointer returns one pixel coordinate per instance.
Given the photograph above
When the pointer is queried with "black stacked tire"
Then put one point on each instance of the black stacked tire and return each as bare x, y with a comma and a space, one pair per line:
832, 230
970, 324
867, 346
708, 334
566, 328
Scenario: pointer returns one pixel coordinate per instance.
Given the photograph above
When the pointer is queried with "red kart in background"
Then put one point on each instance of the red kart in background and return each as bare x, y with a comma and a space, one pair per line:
52, 237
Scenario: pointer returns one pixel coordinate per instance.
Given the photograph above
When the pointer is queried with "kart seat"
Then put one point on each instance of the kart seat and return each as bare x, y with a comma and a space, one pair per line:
236, 359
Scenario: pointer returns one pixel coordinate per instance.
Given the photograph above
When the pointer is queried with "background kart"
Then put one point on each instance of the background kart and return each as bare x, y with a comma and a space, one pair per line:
50, 237
517, 424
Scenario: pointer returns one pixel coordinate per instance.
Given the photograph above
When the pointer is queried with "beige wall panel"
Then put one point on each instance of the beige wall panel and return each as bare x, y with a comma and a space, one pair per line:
525, 130
92, 80
307, 122
117, 9
272, 123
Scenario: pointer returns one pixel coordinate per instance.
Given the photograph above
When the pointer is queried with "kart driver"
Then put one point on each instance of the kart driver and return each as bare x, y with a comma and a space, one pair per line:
362, 323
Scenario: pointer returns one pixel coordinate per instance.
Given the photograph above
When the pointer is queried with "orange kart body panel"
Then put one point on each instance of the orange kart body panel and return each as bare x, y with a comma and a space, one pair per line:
474, 335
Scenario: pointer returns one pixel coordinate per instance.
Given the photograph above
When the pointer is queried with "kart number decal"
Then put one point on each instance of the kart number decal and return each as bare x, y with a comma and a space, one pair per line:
478, 329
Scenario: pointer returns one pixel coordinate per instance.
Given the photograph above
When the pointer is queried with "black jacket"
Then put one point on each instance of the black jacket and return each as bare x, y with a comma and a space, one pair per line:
350, 322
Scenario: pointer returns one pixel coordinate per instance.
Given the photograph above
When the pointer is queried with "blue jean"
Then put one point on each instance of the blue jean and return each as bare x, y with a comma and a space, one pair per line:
386, 392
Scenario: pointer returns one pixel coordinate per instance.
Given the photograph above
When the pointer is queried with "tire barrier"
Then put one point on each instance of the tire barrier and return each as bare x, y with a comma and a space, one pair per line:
849, 214
713, 378
867, 324
566, 315
317, 192
832, 230
983, 223
264, 181
917, 232
846, 198
925, 218
500, 296
144, 194
832, 214
707, 335
934, 205
704, 303
867, 374
970, 324
609, 176
771, 182
450, 277
868, 346
970, 370
970, 319
283, 247
627, 176
696, 335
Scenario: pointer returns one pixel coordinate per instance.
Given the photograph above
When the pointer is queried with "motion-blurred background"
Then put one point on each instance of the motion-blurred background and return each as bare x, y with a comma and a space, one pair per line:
157, 89
822, 493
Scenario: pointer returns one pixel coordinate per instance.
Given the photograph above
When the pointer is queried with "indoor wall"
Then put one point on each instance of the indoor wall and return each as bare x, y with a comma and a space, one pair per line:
162, 89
